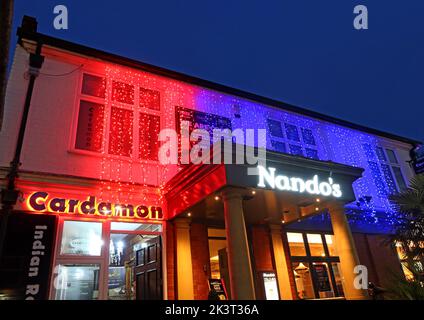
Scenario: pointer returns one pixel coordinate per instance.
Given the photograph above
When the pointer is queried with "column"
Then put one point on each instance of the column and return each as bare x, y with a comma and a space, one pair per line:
183, 259
347, 253
240, 269
280, 263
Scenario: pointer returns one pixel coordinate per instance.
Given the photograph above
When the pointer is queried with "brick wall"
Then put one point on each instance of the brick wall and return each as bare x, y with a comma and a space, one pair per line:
200, 259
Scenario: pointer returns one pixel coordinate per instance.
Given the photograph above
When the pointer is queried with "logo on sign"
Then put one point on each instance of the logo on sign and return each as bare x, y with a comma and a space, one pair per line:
269, 178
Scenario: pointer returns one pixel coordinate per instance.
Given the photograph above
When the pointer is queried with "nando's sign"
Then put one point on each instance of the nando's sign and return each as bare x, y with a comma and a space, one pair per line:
41, 201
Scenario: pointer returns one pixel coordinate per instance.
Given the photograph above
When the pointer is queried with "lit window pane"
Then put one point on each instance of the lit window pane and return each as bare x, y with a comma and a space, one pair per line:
120, 137
329, 239
308, 136
90, 126
296, 150
315, 245
275, 129
303, 280
217, 252
296, 244
122, 92
312, 153
93, 86
77, 282
279, 146
149, 99
149, 136
291, 131
81, 238
129, 226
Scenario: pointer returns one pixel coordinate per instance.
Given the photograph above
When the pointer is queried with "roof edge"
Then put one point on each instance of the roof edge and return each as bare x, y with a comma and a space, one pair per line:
31, 34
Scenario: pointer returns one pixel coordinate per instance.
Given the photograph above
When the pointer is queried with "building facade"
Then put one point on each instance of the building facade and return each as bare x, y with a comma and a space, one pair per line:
100, 217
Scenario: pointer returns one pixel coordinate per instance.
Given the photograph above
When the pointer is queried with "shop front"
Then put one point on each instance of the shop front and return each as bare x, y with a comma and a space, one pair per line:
63, 243
238, 228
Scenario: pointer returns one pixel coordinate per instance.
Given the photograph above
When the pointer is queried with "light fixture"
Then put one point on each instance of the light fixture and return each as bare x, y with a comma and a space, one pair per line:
188, 214
316, 208
216, 198
253, 192
282, 221
317, 200
301, 268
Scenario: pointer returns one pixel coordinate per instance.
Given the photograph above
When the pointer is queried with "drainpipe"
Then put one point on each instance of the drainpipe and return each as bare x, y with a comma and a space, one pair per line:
9, 195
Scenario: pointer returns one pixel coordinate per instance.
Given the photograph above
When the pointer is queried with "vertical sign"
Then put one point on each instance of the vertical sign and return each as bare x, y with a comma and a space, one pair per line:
26, 265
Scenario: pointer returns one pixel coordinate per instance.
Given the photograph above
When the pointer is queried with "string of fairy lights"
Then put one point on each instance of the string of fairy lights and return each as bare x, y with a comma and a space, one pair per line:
138, 104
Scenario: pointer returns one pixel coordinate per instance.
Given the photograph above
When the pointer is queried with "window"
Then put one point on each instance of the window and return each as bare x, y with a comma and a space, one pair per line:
120, 124
399, 178
77, 282
279, 146
275, 128
296, 150
149, 99
291, 131
311, 153
308, 137
93, 86
296, 244
90, 126
149, 136
392, 156
217, 252
315, 265
81, 238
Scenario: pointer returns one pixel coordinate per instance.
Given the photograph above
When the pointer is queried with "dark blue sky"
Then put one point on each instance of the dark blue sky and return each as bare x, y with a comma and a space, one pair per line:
306, 53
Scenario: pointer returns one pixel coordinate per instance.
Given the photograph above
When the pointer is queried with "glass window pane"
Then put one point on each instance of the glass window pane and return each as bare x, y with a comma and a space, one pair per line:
121, 128
129, 226
149, 136
149, 99
296, 150
391, 155
338, 278
391, 185
399, 178
322, 280
90, 126
77, 282
312, 153
380, 154
279, 146
122, 92
308, 136
217, 248
303, 280
296, 245
93, 85
292, 133
81, 238
275, 129
315, 245
331, 245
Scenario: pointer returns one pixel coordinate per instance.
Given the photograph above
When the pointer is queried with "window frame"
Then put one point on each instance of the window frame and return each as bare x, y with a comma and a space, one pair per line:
135, 108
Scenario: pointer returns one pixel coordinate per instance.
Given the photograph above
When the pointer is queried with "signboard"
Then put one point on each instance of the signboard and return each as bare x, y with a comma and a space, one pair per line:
418, 159
270, 285
321, 276
41, 201
218, 288
26, 264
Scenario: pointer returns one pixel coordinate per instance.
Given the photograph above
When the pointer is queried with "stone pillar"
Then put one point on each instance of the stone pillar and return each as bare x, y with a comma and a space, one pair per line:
183, 259
280, 262
347, 253
240, 269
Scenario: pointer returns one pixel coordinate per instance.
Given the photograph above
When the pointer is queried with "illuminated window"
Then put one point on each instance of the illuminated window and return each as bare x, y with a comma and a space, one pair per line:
311, 153
217, 252
122, 92
279, 146
316, 246
296, 244
93, 85
275, 129
81, 238
90, 126
308, 137
295, 150
149, 136
291, 132
331, 245
121, 126
149, 99
77, 282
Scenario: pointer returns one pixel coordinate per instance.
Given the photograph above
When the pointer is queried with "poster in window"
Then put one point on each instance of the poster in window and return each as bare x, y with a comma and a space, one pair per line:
322, 278
217, 290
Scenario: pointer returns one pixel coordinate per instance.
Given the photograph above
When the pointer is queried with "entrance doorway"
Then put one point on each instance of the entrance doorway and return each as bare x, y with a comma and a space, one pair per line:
129, 267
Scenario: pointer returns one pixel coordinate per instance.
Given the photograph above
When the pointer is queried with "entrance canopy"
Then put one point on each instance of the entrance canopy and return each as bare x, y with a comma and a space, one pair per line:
285, 187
